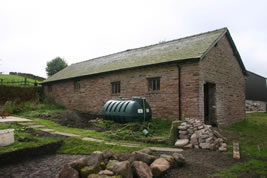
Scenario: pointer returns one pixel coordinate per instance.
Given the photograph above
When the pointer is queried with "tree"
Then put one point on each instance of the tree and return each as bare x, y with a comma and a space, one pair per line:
55, 65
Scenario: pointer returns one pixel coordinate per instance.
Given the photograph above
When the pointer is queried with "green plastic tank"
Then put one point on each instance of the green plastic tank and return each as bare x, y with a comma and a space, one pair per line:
125, 110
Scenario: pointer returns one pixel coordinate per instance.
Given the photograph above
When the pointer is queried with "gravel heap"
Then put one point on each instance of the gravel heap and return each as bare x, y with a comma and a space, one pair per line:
195, 134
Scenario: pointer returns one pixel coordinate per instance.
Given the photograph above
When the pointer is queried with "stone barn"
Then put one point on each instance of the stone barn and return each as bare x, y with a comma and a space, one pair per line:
200, 76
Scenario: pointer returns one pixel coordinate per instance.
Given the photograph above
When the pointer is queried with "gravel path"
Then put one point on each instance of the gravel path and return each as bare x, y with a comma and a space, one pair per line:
41, 167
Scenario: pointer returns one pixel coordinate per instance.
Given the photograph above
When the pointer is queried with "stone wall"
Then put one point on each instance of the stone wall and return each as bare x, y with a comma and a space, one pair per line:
221, 67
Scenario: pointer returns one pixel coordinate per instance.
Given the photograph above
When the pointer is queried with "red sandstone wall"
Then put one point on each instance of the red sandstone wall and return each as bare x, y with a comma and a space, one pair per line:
221, 67
96, 90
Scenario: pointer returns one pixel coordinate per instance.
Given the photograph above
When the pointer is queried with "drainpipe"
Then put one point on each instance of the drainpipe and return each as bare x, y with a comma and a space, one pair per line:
179, 93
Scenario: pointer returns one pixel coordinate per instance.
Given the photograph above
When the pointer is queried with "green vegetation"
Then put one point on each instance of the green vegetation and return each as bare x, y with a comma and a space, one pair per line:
85, 147
31, 108
252, 136
55, 65
12, 78
24, 139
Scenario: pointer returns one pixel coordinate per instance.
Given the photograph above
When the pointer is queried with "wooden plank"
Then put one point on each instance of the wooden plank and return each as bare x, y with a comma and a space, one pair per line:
236, 153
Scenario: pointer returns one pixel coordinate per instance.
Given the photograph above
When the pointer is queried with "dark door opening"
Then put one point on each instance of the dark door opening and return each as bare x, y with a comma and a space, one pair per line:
210, 104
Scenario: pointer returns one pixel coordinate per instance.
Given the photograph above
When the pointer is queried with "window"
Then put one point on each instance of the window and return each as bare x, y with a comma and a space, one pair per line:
153, 84
77, 84
49, 88
116, 87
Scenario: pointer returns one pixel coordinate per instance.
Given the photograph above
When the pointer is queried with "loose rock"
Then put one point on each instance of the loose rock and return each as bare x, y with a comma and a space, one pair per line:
141, 170
159, 166
68, 172
181, 142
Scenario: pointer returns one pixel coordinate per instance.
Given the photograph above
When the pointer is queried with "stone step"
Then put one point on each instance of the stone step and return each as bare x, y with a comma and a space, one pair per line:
164, 149
47, 130
36, 126
14, 119
66, 134
27, 123
92, 139
122, 144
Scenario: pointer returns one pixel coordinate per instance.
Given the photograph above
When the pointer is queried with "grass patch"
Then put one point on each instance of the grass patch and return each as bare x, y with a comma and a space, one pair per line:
251, 168
21, 135
251, 134
252, 137
11, 78
85, 147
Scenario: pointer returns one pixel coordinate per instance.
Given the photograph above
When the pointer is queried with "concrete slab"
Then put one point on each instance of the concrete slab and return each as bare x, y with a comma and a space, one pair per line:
36, 126
65, 134
163, 149
14, 119
92, 139
47, 130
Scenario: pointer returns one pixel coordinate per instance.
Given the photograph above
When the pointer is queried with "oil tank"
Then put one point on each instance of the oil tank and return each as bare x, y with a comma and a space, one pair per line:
125, 110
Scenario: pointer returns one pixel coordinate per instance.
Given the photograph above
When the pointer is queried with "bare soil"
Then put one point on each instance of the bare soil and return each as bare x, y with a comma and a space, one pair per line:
201, 163
73, 119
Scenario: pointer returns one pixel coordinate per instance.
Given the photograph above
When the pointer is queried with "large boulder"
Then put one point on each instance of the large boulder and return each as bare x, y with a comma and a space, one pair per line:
68, 172
159, 166
181, 142
89, 170
141, 170
79, 164
146, 151
169, 158
111, 164
140, 156
95, 159
173, 136
123, 168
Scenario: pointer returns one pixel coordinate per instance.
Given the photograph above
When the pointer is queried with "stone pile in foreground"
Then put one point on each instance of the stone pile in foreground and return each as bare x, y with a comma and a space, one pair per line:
193, 133
106, 164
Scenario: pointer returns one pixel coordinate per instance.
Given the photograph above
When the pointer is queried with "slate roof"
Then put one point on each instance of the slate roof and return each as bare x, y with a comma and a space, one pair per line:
191, 47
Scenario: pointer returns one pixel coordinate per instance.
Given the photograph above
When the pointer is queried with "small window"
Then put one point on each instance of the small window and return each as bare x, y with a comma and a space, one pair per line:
77, 84
49, 88
153, 84
116, 87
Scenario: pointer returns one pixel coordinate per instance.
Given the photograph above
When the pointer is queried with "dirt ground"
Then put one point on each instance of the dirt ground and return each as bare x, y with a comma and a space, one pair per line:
199, 163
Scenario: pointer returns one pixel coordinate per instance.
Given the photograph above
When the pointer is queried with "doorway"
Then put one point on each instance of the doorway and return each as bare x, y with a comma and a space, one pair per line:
210, 104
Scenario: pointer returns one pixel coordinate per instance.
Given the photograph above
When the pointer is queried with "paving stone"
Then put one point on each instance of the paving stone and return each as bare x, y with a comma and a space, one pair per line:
92, 139
14, 119
27, 123
164, 149
122, 144
36, 126
47, 130
66, 134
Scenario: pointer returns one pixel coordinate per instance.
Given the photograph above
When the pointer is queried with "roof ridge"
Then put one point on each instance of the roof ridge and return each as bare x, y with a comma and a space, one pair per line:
143, 47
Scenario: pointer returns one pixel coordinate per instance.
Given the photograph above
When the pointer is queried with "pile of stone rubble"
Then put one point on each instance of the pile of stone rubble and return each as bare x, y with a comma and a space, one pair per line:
140, 164
195, 134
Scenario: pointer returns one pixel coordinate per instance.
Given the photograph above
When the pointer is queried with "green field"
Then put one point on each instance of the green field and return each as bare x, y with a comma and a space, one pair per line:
12, 78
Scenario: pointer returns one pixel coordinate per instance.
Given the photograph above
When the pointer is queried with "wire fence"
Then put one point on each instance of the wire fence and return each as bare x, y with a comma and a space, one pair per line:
21, 83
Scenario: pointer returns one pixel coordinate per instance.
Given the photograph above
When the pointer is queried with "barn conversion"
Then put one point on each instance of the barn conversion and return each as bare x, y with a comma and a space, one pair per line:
200, 76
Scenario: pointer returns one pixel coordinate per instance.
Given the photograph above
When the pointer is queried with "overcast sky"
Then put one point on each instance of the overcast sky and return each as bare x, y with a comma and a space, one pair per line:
33, 32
